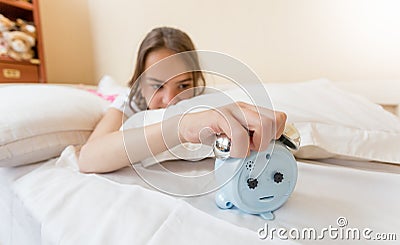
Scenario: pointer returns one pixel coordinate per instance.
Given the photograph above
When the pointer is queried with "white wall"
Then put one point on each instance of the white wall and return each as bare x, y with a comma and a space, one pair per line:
282, 40
68, 41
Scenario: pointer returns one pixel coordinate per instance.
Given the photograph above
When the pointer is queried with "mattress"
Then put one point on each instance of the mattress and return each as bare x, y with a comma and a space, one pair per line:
51, 203
17, 225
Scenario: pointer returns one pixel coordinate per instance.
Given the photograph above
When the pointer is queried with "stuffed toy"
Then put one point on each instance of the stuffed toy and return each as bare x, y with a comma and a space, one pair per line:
27, 27
17, 38
6, 24
3, 46
19, 45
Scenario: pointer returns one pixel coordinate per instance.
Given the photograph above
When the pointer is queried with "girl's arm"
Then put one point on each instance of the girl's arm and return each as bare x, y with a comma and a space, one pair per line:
103, 133
106, 153
110, 122
105, 150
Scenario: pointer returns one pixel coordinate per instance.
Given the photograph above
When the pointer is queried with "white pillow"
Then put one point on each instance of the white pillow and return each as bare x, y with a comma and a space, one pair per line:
332, 122
335, 123
39, 121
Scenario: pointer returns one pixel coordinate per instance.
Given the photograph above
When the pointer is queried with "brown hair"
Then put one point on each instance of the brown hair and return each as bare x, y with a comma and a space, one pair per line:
162, 37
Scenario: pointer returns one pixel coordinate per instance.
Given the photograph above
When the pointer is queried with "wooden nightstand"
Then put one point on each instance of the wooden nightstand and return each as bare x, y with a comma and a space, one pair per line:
23, 71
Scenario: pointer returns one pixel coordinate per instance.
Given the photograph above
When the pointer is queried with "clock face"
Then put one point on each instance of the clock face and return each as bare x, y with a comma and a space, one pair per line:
266, 180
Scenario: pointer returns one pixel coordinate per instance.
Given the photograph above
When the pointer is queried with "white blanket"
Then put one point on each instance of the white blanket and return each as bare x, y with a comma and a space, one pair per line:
77, 208
120, 208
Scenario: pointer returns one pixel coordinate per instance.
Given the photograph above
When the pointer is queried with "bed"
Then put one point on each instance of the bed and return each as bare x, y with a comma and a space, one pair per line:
348, 182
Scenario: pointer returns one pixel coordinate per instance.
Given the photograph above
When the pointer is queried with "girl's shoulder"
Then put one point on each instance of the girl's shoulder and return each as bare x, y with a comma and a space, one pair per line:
121, 103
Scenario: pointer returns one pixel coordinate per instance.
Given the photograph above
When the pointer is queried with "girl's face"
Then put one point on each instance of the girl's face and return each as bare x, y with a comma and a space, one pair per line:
158, 88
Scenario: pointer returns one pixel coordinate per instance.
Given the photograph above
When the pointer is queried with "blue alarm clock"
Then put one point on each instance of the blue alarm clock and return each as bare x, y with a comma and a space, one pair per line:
262, 182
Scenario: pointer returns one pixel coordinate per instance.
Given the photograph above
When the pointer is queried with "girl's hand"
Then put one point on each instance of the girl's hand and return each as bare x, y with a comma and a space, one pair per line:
249, 127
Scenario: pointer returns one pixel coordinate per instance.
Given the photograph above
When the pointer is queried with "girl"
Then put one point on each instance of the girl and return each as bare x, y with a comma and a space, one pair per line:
105, 151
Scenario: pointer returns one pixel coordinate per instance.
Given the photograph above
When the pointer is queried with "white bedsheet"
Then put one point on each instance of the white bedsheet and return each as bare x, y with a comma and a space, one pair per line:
119, 208
17, 226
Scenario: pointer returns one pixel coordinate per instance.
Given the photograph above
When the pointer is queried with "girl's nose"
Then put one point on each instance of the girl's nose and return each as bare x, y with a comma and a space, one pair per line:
168, 96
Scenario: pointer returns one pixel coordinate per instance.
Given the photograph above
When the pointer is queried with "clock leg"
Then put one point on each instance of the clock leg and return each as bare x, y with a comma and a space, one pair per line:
267, 215
222, 201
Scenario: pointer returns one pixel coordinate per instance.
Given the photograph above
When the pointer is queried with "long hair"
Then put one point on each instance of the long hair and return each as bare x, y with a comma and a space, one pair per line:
163, 37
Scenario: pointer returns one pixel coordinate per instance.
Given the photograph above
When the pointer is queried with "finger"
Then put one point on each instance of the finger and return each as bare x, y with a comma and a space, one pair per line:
279, 118
280, 122
260, 126
240, 140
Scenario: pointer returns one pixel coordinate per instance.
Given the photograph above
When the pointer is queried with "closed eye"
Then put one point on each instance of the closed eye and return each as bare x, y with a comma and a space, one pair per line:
156, 86
184, 86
